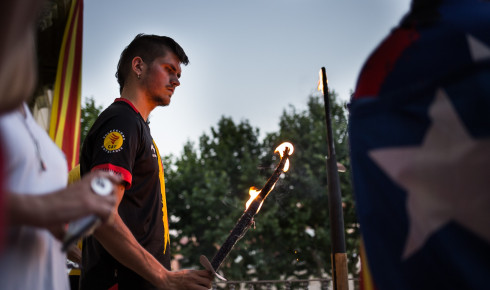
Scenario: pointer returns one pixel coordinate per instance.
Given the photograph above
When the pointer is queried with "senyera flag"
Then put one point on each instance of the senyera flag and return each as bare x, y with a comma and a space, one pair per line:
419, 130
66, 109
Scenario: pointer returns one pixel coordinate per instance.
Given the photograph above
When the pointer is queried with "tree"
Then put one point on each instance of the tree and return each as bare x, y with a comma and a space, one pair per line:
307, 197
207, 188
89, 114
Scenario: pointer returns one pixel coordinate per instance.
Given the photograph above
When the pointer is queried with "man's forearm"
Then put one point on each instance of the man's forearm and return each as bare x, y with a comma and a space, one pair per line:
56, 208
118, 240
39, 210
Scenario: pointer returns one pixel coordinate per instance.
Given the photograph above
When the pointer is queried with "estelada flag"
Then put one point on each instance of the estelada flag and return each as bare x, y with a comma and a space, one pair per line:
419, 130
66, 109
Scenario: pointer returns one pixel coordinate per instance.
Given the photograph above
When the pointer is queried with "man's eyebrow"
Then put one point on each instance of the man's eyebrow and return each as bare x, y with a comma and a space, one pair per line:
173, 68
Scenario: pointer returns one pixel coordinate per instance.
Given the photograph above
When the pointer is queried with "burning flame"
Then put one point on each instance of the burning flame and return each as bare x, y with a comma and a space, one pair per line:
320, 81
254, 191
280, 149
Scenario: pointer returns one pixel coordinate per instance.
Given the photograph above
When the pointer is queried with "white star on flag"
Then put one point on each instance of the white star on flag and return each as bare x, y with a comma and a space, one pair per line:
478, 50
446, 178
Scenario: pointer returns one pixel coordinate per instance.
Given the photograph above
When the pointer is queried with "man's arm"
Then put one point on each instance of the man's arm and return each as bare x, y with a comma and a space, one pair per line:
118, 240
55, 209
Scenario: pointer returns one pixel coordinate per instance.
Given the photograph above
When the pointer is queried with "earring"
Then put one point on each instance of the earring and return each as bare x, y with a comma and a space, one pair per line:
139, 76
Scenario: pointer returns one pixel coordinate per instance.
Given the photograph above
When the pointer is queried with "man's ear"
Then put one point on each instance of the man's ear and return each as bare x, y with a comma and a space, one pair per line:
137, 65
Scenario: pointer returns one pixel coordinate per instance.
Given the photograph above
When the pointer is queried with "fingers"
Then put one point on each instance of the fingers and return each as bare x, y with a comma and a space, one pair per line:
202, 279
190, 280
101, 206
107, 203
206, 278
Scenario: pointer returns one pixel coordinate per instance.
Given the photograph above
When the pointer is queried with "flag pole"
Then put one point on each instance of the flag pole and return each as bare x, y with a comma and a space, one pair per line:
338, 255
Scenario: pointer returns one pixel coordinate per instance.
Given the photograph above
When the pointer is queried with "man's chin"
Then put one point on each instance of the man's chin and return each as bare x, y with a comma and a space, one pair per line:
162, 102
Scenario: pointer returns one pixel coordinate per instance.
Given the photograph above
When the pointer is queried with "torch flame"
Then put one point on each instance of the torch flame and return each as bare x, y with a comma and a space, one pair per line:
254, 192
320, 81
280, 149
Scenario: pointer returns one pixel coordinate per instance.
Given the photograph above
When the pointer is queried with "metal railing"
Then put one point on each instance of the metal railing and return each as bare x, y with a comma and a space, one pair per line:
310, 284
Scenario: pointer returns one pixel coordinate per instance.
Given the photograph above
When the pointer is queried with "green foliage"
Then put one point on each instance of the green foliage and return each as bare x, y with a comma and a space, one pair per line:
90, 112
207, 188
307, 220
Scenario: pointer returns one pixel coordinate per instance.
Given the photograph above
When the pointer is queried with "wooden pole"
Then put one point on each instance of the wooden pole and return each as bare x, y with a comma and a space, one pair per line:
338, 256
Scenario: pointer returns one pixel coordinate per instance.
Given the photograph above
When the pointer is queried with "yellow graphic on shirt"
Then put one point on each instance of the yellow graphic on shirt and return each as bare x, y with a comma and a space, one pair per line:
113, 141
164, 199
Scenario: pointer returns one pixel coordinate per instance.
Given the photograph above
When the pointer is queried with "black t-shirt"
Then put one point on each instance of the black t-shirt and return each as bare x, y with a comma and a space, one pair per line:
120, 141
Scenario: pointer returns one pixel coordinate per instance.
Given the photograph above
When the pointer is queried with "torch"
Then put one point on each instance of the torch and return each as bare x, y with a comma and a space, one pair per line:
257, 197
338, 257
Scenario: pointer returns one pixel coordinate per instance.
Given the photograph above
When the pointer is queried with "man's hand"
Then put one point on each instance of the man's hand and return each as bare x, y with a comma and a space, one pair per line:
102, 206
188, 280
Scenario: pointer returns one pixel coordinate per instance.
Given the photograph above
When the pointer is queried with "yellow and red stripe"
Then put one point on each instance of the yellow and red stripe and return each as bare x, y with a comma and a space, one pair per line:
366, 280
66, 109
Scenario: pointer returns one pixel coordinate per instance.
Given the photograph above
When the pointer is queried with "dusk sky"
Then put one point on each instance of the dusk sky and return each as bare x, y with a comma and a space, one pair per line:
249, 60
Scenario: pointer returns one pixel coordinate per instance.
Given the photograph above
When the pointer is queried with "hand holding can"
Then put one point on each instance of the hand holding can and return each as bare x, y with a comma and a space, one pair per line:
85, 226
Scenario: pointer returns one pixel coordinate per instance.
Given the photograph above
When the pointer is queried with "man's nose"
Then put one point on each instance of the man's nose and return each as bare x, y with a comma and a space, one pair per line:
175, 82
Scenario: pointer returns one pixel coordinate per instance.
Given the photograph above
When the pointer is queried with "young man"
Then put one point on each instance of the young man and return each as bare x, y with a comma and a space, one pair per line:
134, 253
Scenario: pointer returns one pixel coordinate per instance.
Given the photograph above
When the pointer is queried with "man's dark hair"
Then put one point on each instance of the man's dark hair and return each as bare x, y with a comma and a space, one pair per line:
148, 47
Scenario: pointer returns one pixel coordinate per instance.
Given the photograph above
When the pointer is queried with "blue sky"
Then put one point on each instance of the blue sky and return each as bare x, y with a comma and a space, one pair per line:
249, 60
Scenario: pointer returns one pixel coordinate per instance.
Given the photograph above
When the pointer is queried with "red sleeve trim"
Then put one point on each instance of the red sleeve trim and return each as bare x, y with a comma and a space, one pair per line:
125, 174
128, 102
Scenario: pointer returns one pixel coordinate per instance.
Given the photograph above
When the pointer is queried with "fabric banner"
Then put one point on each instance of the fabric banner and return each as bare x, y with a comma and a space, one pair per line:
419, 131
365, 277
66, 108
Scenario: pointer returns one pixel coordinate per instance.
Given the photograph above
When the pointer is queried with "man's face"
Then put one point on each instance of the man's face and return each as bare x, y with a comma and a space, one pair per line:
161, 78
